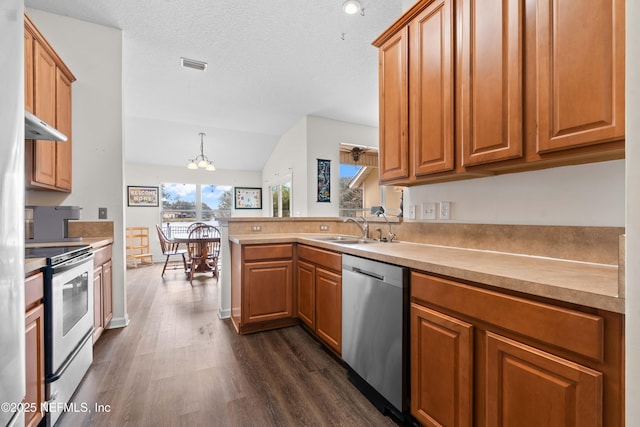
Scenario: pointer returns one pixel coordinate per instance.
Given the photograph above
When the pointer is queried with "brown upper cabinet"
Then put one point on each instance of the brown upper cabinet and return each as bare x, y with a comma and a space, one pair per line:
48, 95
580, 73
479, 88
394, 107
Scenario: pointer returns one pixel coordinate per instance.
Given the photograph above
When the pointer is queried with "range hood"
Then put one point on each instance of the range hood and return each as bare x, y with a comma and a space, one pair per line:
34, 128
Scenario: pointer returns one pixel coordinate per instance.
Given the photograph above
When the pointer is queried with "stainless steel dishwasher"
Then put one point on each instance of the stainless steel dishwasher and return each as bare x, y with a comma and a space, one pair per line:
375, 331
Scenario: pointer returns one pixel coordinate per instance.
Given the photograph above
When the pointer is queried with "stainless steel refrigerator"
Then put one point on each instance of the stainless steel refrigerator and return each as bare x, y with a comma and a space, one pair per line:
12, 343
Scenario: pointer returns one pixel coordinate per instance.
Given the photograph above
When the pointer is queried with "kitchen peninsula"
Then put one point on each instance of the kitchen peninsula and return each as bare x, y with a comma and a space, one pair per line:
562, 317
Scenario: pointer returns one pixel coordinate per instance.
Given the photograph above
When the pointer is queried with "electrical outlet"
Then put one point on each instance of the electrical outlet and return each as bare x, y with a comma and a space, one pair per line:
429, 211
445, 210
412, 212
102, 213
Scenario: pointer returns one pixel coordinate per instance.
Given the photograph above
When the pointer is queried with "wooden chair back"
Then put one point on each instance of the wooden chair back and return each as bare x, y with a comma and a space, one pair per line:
205, 231
164, 242
194, 226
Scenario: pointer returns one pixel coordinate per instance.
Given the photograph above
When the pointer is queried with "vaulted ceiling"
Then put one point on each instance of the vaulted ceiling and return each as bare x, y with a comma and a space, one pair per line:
269, 64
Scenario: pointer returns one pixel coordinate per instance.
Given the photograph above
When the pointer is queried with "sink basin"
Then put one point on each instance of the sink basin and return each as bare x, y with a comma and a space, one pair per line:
352, 241
334, 237
344, 240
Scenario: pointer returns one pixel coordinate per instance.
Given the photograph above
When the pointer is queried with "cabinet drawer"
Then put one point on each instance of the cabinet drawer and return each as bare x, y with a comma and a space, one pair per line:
327, 259
102, 255
33, 289
260, 252
581, 333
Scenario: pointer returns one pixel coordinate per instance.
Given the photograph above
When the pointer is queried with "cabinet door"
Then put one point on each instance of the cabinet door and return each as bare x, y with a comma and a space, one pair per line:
490, 83
267, 291
431, 89
107, 288
97, 303
34, 359
329, 308
580, 72
394, 108
45, 108
28, 70
63, 123
305, 281
441, 368
528, 387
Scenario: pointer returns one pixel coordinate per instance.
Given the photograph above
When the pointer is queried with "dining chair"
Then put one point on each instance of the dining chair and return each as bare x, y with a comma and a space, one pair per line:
170, 249
194, 226
203, 246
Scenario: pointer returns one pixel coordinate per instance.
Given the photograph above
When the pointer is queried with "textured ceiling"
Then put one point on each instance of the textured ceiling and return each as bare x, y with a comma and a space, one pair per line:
269, 64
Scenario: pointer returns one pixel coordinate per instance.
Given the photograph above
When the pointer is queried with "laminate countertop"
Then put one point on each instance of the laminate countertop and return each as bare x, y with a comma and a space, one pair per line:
588, 284
34, 264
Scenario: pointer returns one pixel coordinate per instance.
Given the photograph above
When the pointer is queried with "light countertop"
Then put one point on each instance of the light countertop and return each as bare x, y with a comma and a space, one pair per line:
588, 284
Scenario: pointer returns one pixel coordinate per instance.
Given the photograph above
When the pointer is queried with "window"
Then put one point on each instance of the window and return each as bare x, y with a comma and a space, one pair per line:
281, 200
359, 183
184, 204
351, 197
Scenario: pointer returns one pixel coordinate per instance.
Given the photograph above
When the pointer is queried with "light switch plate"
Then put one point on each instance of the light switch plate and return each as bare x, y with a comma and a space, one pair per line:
412, 212
445, 210
102, 213
429, 210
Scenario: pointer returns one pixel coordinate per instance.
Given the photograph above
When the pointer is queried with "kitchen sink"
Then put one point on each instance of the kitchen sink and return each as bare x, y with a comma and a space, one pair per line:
334, 237
344, 240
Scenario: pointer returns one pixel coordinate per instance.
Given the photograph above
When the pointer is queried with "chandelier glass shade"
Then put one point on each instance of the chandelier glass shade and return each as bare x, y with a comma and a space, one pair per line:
201, 161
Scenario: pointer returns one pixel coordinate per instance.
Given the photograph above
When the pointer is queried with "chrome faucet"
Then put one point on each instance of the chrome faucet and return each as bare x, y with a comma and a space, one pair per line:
362, 223
379, 211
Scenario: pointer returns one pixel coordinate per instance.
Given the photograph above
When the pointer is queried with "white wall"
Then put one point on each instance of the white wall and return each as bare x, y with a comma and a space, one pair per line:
139, 174
323, 141
93, 53
632, 380
289, 157
586, 195
314, 138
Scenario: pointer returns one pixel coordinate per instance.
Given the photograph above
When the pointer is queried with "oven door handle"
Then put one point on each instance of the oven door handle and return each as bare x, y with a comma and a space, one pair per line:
72, 263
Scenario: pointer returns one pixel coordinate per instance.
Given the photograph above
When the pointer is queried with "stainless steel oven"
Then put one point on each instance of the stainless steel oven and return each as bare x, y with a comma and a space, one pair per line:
68, 305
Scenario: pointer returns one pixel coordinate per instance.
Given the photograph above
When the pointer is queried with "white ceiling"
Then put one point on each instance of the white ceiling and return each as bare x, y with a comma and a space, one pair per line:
269, 64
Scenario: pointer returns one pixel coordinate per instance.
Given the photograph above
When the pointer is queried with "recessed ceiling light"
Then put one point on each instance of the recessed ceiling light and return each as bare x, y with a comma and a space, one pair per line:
351, 7
192, 63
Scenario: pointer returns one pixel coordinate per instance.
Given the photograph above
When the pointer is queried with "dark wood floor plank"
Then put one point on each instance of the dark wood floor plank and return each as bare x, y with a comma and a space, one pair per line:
178, 364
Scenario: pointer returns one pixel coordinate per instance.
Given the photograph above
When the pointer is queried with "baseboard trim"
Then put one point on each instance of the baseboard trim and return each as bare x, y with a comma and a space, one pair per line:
119, 322
224, 314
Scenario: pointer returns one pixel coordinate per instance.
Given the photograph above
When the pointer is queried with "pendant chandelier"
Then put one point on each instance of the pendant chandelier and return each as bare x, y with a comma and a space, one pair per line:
201, 161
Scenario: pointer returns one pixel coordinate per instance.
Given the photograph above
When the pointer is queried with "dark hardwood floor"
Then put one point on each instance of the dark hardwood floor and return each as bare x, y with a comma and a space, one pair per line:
177, 363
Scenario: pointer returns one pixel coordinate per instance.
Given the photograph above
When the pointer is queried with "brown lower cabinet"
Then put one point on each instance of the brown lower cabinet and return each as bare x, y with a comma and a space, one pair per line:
34, 348
102, 290
485, 358
319, 293
261, 286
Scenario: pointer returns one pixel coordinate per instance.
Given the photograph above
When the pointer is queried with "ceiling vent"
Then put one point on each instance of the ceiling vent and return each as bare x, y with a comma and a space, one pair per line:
192, 63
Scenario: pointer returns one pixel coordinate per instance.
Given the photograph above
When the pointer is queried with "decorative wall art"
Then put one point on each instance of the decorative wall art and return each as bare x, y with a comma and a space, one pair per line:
324, 180
142, 196
248, 197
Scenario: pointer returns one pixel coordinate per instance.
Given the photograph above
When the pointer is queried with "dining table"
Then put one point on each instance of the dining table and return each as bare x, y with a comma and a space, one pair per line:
177, 239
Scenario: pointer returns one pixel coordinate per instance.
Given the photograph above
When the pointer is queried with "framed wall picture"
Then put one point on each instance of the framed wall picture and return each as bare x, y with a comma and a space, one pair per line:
247, 198
142, 196
324, 180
